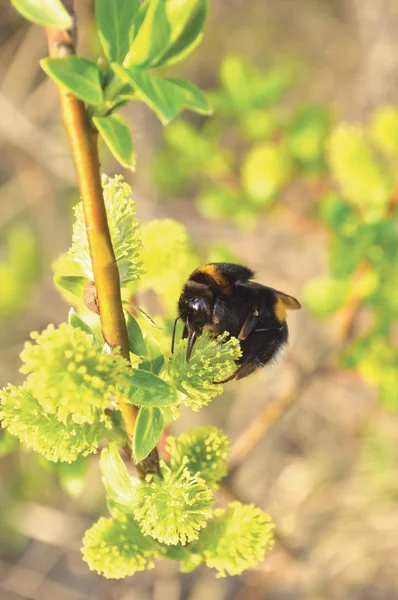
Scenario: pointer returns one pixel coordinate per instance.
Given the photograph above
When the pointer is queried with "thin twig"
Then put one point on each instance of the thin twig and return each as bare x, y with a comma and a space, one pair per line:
84, 144
270, 414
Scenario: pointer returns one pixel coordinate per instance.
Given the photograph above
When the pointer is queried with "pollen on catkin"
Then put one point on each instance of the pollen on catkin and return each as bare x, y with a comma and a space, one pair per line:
205, 451
116, 548
174, 509
69, 375
23, 416
124, 229
213, 359
236, 539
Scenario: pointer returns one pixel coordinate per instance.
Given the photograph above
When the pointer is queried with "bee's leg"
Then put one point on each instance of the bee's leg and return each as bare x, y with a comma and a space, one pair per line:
242, 371
174, 334
230, 378
218, 313
246, 369
248, 325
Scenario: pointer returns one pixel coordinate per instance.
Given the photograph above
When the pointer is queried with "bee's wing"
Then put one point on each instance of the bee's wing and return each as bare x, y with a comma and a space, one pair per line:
289, 302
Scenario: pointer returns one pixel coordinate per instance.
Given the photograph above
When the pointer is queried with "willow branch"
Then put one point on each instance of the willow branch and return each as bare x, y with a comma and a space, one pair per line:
83, 140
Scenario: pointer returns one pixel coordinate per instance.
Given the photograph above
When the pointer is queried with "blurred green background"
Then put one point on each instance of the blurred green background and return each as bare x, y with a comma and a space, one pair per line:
295, 176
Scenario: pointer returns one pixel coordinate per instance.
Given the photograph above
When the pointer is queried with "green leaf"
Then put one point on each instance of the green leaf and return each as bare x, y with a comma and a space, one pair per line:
145, 316
154, 357
168, 31
76, 321
247, 89
362, 177
120, 487
384, 130
325, 295
307, 134
50, 13
148, 430
165, 97
265, 169
136, 341
117, 136
114, 21
188, 21
337, 213
79, 75
74, 284
146, 389
8, 442
195, 99
151, 34
71, 476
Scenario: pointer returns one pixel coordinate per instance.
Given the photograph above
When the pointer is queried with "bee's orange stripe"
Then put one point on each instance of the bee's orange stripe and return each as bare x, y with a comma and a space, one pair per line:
214, 273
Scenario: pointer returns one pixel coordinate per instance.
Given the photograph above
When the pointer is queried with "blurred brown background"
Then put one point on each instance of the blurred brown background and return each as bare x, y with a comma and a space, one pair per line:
336, 517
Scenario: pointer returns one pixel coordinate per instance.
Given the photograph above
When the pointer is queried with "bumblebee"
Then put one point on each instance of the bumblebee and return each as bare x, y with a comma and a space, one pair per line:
223, 297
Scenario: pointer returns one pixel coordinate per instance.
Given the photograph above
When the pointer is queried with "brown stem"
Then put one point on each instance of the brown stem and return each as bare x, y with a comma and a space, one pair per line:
83, 140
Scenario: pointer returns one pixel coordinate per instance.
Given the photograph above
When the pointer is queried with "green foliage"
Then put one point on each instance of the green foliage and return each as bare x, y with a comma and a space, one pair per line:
275, 146
136, 339
79, 75
147, 432
324, 295
116, 134
265, 169
72, 476
376, 359
135, 37
120, 487
24, 416
8, 443
18, 270
50, 13
212, 360
167, 31
353, 166
205, 452
166, 97
115, 19
72, 284
68, 404
244, 88
384, 130
77, 322
363, 259
307, 133
147, 389
361, 176
124, 230
153, 359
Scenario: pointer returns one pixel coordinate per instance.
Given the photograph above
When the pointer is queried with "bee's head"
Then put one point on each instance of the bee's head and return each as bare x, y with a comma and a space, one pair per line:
195, 308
